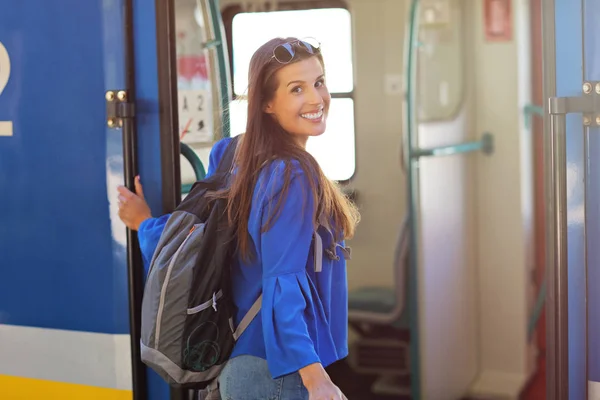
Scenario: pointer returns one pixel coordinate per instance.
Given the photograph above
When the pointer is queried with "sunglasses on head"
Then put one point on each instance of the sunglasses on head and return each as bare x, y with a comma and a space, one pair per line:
285, 53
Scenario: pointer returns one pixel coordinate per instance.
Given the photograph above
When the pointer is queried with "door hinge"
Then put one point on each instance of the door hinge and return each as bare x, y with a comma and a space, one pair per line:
118, 108
588, 104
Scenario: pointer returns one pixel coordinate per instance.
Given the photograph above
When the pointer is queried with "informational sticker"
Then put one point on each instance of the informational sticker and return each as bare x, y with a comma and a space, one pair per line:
6, 127
498, 20
195, 116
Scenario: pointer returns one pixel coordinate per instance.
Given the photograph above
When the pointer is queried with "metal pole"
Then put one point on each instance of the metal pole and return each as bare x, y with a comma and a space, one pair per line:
134, 258
412, 143
560, 271
556, 221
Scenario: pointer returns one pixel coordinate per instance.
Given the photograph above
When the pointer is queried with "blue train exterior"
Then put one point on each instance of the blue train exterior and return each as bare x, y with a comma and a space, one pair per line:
64, 292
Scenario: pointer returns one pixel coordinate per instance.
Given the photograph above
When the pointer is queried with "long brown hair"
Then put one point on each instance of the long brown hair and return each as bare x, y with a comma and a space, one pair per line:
265, 140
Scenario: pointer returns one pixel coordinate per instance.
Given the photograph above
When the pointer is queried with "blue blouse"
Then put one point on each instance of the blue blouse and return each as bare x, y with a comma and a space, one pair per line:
304, 314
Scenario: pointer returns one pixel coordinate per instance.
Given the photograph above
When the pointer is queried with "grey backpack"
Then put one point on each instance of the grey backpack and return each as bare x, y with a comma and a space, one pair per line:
187, 333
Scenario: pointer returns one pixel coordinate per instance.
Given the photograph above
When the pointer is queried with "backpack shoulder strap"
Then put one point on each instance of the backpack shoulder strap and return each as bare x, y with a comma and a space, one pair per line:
252, 312
227, 160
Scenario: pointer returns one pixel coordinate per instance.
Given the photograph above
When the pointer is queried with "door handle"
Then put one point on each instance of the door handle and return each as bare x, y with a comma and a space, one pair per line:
558, 275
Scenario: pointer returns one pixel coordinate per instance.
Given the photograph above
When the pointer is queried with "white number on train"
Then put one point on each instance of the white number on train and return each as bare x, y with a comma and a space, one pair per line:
6, 127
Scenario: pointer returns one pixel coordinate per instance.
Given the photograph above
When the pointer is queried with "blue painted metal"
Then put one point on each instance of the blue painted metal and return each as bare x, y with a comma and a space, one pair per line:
62, 244
486, 145
413, 194
569, 79
62, 264
148, 128
147, 112
592, 73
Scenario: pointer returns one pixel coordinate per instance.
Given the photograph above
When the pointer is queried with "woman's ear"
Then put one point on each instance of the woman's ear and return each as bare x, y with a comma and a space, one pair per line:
268, 108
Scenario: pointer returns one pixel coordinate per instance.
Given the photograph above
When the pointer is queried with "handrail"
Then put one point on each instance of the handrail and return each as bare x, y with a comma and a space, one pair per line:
413, 194
196, 163
224, 82
219, 61
486, 145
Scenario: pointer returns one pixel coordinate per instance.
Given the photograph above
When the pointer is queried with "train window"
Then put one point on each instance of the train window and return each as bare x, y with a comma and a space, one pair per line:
332, 28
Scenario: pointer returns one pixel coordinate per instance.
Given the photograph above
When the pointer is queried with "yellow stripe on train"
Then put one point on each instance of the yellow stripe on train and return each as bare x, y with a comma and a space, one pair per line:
18, 388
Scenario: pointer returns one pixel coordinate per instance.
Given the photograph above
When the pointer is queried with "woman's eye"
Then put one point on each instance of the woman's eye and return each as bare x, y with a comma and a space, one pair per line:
297, 89
320, 83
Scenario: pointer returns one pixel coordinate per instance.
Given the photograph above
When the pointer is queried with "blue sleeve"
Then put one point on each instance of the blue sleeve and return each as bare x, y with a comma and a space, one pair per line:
216, 153
148, 236
287, 309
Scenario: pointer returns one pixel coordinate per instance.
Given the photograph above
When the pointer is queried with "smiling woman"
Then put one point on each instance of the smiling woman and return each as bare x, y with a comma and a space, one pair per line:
276, 214
301, 100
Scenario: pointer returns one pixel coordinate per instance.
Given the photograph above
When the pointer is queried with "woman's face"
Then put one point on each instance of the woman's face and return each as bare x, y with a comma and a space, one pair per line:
301, 101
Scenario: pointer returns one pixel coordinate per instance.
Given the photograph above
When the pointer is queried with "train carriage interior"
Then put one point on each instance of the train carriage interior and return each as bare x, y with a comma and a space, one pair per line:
434, 131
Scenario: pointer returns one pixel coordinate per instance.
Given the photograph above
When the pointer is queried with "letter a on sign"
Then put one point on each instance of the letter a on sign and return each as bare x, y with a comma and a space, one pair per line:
498, 20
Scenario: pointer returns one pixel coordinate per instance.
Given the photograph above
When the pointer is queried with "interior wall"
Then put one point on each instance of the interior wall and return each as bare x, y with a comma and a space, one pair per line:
379, 179
505, 203
537, 85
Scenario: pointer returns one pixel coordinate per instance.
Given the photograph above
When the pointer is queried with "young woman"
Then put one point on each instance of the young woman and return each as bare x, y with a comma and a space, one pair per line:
277, 198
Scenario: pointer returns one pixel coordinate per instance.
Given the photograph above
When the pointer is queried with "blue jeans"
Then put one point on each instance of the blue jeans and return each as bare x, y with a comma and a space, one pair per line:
248, 378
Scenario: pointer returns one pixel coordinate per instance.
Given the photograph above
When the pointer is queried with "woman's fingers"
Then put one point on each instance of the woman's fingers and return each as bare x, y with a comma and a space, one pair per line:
124, 191
138, 187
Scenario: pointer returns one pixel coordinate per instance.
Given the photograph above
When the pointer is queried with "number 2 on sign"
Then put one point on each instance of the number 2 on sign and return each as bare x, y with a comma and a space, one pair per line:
6, 127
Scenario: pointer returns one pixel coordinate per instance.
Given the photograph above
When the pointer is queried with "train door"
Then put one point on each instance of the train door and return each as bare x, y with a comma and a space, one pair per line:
66, 331
572, 152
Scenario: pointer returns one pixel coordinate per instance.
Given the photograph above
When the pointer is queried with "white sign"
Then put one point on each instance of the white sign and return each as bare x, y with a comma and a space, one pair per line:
6, 127
195, 116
